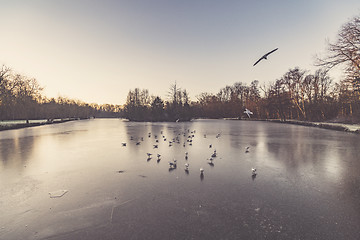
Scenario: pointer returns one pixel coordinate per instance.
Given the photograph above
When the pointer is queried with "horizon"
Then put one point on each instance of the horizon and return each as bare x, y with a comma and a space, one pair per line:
101, 50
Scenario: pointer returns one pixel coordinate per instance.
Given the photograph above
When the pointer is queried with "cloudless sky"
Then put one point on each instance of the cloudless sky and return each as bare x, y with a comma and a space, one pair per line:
96, 51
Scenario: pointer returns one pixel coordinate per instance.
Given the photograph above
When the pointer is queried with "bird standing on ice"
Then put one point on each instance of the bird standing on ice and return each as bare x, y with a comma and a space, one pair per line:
186, 167
214, 154
172, 164
253, 170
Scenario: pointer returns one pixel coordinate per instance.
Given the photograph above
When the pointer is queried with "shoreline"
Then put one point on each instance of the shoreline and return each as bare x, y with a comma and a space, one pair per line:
352, 128
343, 127
34, 124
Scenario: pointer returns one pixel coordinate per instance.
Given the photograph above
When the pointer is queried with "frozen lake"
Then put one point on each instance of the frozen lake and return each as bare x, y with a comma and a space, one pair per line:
76, 181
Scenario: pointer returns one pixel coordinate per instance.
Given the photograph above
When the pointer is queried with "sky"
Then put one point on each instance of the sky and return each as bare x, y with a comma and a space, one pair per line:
96, 51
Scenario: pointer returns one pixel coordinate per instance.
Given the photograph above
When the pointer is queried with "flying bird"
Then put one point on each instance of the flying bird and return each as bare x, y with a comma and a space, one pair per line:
248, 112
265, 56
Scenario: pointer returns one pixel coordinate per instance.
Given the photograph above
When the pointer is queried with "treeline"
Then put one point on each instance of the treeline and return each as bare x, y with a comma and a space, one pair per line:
298, 94
140, 106
21, 98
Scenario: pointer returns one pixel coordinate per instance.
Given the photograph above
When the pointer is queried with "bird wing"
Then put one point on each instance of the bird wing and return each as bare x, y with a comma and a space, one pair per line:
258, 61
271, 52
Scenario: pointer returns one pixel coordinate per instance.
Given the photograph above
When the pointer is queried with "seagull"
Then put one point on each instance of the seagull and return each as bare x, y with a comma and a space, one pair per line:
201, 171
149, 154
265, 56
172, 164
248, 112
124, 144
186, 155
156, 146
186, 167
158, 156
247, 149
253, 170
210, 146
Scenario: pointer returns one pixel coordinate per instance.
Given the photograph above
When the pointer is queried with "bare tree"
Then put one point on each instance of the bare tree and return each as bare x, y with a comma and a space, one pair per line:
345, 51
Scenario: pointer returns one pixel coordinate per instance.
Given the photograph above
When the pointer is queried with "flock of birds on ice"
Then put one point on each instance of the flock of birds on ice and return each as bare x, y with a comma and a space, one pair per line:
173, 164
189, 140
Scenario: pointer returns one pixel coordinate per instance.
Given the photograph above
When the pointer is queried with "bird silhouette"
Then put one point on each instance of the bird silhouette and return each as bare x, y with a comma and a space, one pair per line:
265, 56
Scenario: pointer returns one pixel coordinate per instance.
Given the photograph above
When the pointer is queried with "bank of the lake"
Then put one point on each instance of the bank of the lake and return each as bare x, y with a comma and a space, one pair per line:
17, 124
338, 126
345, 127
353, 128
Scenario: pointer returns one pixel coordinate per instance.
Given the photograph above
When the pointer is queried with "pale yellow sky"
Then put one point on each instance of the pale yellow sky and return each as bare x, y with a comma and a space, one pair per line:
96, 51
